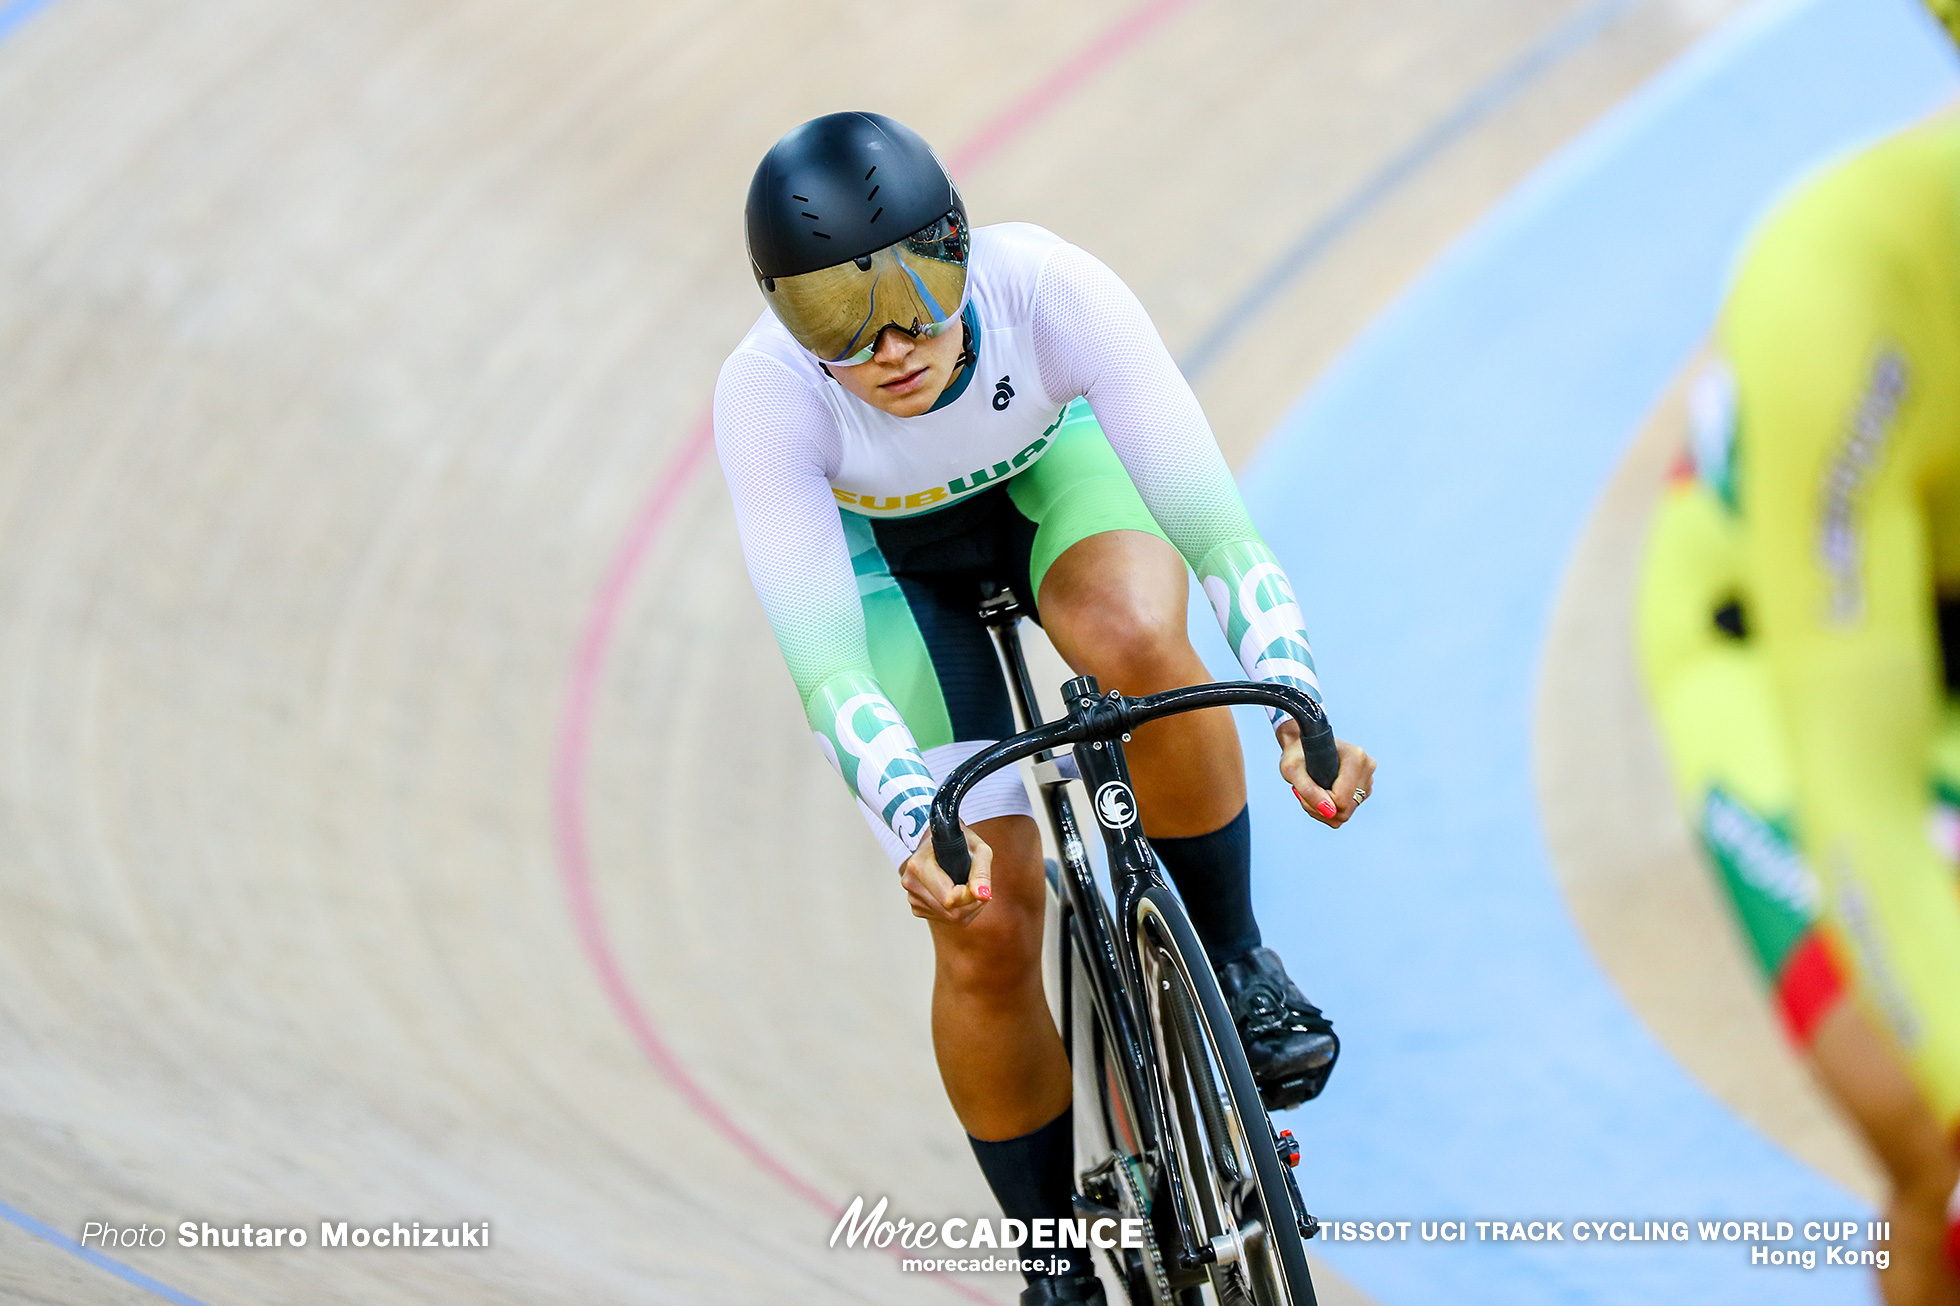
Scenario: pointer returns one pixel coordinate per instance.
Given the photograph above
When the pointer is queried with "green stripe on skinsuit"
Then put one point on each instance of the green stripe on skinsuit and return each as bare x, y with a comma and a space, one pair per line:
899, 658
1772, 891
1079, 488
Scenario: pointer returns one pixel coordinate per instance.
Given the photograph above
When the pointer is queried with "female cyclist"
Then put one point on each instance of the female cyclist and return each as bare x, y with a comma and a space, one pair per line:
925, 407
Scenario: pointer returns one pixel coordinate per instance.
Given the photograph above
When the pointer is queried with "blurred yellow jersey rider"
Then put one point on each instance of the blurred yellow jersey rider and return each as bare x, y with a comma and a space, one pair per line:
1793, 609
1842, 462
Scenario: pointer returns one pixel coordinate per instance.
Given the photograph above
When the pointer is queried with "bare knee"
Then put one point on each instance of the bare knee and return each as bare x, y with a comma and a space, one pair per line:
995, 953
1136, 649
999, 950
1115, 606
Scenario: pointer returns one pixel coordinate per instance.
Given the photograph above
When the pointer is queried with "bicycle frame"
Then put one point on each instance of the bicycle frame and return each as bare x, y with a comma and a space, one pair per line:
1083, 901
1098, 724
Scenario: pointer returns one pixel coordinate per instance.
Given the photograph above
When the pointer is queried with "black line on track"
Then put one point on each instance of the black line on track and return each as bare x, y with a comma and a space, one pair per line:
1575, 33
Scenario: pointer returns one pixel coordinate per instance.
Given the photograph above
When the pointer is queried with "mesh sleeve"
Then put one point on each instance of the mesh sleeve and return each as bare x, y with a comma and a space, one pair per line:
1093, 338
776, 441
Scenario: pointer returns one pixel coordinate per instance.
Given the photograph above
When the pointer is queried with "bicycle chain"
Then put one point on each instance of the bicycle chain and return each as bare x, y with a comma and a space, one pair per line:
1127, 1171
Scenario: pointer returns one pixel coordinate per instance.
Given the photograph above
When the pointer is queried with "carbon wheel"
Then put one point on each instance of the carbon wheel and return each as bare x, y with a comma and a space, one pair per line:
1241, 1194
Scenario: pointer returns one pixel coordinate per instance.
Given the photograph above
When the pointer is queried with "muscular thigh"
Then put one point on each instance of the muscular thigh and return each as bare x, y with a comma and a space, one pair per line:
1106, 577
1115, 607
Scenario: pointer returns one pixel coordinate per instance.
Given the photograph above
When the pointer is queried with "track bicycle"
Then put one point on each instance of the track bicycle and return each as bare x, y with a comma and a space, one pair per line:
1170, 1129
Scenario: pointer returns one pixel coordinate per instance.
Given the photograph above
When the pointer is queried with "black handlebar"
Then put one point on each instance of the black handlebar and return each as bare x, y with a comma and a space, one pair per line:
1108, 717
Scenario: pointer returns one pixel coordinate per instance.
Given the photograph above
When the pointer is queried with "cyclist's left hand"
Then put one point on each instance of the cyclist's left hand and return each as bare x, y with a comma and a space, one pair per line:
1355, 782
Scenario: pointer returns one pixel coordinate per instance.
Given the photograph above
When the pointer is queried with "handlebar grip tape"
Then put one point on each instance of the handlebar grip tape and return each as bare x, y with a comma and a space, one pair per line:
1323, 759
954, 859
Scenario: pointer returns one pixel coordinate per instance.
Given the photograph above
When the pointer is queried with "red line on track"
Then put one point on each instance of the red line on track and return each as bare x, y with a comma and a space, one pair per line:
602, 621
1102, 50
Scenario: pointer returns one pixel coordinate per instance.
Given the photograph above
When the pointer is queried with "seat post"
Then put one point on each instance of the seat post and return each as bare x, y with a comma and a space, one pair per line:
1002, 613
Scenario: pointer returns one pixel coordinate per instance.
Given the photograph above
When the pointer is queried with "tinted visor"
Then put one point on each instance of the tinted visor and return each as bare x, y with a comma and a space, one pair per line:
917, 285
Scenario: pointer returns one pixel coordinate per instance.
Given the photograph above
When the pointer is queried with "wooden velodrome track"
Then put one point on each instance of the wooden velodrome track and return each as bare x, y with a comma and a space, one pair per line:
404, 813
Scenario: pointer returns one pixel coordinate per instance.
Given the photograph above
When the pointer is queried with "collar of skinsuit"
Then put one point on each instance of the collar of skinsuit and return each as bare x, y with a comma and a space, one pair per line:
1948, 12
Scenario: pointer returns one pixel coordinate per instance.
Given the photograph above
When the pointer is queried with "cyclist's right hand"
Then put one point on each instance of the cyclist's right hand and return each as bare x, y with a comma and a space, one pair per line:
934, 895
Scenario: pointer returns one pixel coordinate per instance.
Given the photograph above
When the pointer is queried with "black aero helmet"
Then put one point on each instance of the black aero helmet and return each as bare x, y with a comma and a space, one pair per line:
854, 226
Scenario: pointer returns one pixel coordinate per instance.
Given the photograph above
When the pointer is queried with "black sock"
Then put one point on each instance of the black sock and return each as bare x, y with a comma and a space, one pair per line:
1213, 874
1033, 1178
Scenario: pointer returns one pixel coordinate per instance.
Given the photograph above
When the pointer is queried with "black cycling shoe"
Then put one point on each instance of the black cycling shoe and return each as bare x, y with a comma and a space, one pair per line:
1289, 1044
1076, 1290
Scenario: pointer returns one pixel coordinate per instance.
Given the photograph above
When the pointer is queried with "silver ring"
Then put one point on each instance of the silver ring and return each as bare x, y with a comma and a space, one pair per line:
1360, 794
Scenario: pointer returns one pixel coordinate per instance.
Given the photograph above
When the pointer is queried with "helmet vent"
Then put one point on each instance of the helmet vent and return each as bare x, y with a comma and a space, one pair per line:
801, 216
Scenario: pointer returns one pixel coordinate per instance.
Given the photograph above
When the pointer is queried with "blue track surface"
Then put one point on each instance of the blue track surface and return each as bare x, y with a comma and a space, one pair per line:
1425, 496
134, 1277
16, 12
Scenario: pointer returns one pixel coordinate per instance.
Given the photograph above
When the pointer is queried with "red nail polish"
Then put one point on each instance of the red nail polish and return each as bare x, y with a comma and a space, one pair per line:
984, 892
1327, 808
